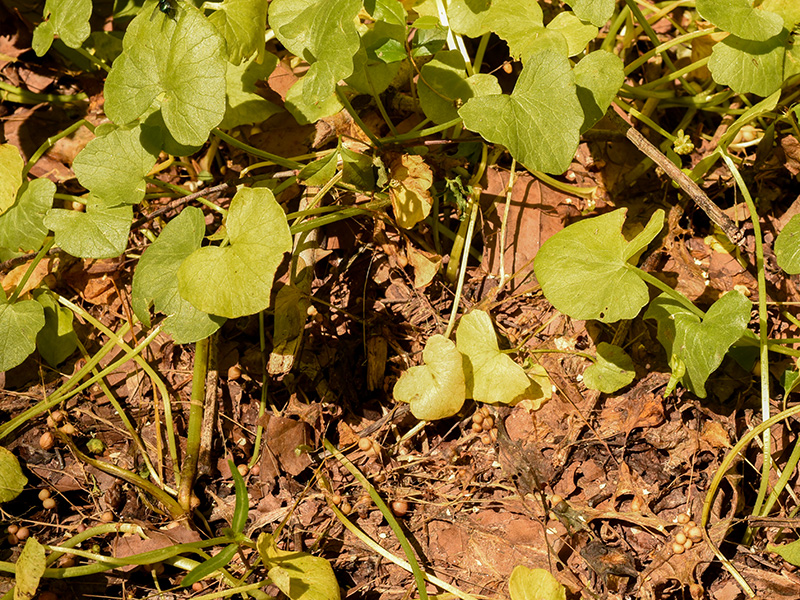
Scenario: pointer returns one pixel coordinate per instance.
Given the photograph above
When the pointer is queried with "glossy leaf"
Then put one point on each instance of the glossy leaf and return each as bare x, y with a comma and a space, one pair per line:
435, 390
12, 480
787, 246
741, 19
30, 568
99, 232
534, 584
323, 32
584, 269
299, 575
613, 370
155, 280
22, 226
236, 280
699, 346
175, 65
540, 121
490, 375
114, 164
19, 322
56, 341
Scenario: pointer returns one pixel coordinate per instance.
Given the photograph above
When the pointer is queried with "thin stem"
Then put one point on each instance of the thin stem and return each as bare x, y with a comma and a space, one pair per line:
762, 332
196, 405
31, 268
50, 142
278, 160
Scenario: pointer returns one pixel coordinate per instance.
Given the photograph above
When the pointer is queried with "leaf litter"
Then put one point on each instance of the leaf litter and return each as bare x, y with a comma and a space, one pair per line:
615, 472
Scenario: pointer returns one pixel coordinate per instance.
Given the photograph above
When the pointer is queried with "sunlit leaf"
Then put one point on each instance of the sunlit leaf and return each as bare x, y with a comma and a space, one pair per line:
534, 584
787, 246
435, 390
409, 190
741, 19
12, 480
22, 226
584, 270
699, 345
236, 280
613, 370
299, 575
155, 280
99, 232
540, 121
490, 375
30, 568
19, 322
11, 165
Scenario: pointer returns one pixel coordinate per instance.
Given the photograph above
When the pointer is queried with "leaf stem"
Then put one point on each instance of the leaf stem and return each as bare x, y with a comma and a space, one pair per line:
50, 142
196, 406
657, 283
278, 160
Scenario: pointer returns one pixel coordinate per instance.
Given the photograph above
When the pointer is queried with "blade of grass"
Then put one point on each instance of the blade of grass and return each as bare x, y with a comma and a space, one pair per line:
419, 576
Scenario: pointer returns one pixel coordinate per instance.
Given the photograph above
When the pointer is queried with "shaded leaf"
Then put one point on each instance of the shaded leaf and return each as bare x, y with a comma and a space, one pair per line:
56, 341
749, 67
597, 12
244, 105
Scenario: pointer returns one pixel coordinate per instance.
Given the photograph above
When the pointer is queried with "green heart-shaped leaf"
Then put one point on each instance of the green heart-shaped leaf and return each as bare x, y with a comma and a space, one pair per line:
155, 280
699, 345
787, 246
12, 480
436, 389
176, 65
540, 121
19, 322
584, 269
741, 19
613, 370
490, 375
100, 232
22, 226
534, 584
236, 280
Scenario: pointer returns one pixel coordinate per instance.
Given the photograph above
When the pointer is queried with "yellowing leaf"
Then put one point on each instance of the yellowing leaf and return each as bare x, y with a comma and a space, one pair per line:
12, 481
425, 266
435, 390
30, 568
534, 584
491, 376
297, 574
411, 180
10, 176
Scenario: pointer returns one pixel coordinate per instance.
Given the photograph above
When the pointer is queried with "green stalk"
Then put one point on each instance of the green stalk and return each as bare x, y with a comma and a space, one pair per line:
278, 160
762, 333
10, 93
49, 142
196, 404
48, 243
